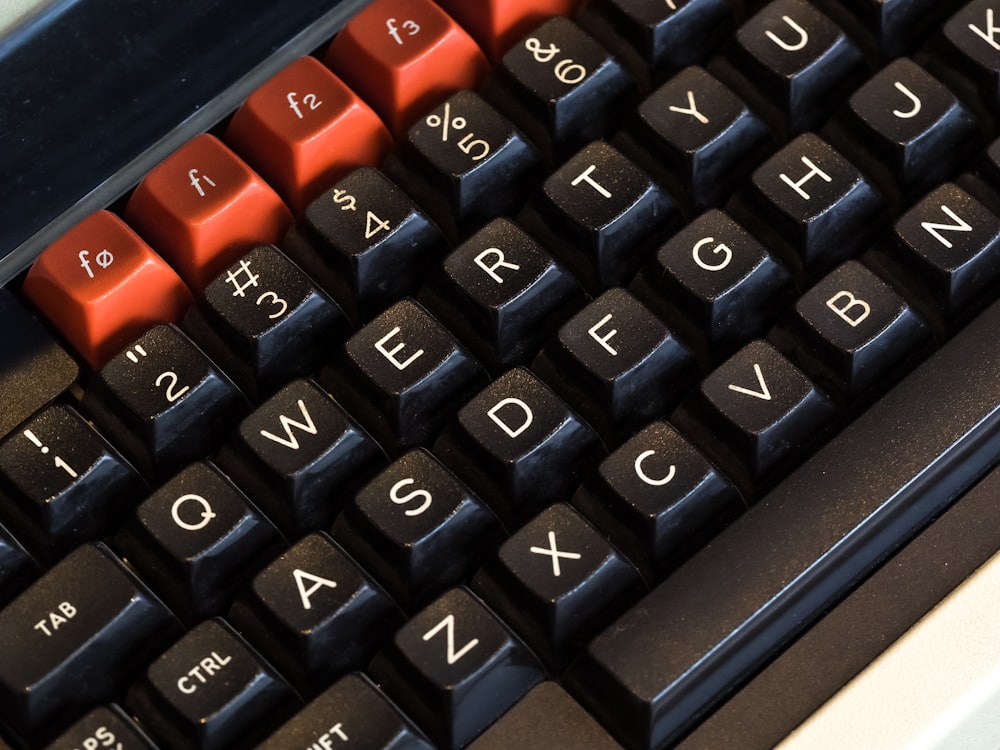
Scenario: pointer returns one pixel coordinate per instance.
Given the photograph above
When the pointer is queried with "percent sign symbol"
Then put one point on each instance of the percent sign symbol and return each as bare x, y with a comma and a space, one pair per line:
469, 143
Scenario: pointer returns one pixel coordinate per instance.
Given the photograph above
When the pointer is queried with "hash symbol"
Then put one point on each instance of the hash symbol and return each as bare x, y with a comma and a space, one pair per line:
233, 278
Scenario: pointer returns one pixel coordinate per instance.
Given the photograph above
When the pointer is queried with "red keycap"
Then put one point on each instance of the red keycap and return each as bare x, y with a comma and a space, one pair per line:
202, 208
403, 57
305, 129
498, 24
102, 287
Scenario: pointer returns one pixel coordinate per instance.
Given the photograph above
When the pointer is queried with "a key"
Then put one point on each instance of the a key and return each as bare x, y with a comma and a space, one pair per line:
162, 402
658, 499
298, 456
87, 616
210, 691
499, 24
104, 727
194, 539
418, 529
455, 668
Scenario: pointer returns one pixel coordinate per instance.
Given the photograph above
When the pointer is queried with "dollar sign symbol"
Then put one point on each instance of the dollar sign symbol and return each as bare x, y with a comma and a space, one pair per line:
345, 201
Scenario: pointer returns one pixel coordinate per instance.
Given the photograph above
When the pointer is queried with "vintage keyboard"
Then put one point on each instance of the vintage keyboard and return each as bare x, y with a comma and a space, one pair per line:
504, 373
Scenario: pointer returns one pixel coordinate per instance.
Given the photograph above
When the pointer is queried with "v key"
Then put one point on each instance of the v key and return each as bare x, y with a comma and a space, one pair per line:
764, 393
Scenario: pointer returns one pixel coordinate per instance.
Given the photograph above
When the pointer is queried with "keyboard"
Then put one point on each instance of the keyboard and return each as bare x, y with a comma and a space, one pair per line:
412, 374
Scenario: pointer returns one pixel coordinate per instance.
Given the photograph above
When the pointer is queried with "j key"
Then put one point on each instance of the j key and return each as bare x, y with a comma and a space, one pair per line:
601, 215
696, 137
353, 713
714, 284
617, 364
315, 613
658, 499
195, 539
265, 322
102, 286
466, 164
366, 242
755, 415
209, 691
104, 728
17, 567
298, 455
851, 332
811, 205
967, 56
502, 294
403, 376
69, 484
556, 582
87, 616
518, 446
455, 668
34, 368
162, 402
792, 64
418, 528
560, 87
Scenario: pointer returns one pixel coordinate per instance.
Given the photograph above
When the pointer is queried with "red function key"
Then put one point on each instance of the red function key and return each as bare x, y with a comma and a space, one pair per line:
498, 24
102, 287
202, 208
305, 129
403, 57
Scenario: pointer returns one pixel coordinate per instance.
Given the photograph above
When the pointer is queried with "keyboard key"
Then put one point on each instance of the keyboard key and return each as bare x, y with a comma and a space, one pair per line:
102, 286
104, 727
87, 616
658, 499
967, 56
455, 668
210, 691
352, 712
17, 567
418, 529
304, 129
617, 364
162, 402
403, 376
265, 322
202, 208
315, 613
886, 29
195, 539
518, 446
298, 456
601, 215
403, 57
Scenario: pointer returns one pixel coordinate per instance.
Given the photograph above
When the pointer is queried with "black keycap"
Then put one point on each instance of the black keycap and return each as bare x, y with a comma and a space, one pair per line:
17, 567
905, 129
210, 691
366, 242
87, 616
560, 87
162, 402
104, 728
298, 456
465, 163
315, 613
502, 295
811, 205
354, 714
967, 55
600, 215
886, 29
715, 285
792, 65
518, 445
617, 364
68, 485
418, 529
658, 499
557, 581
547, 717
34, 368
265, 322
754, 416
696, 137
455, 668
403, 375
851, 332
195, 540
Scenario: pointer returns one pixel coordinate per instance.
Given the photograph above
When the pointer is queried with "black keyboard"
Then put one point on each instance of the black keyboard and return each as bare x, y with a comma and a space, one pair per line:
496, 374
